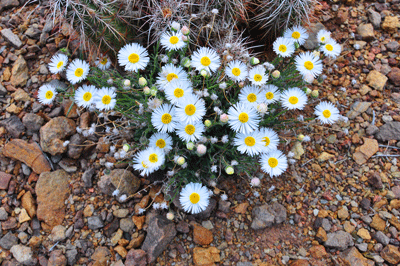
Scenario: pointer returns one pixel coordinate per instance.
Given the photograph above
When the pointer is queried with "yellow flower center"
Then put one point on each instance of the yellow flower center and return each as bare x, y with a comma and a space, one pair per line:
133, 58
190, 109
252, 97
257, 77
178, 93
87, 96
166, 118
205, 61
104, 61
79, 72
153, 158
243, 117
171, 76
272, 162
250, 141
282, 48
308, 65
60, 64
269, 95
296, 35
266, 140
194, 198
326, 113
144, 165
293, 100
323, 39
49, 95
329, 47
190, 129
236, 71
160, 143
173, 40
106, 99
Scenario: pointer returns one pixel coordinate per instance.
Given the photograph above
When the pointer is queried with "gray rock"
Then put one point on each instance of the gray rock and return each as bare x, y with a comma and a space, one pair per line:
57, 258
53, 134
23, 237
23, 255
10, 37
68, 166
339, 240
75, 147
375, 18
26, 170
87, 177
389, 131
266, 215
58, 233
372, 130
381, 238
208, 225
36, 107
8, 241
33, 33
58, 84
224, 206
48, 26
32, 123
326, 225
95, 222
69, 232
72, 256
312, 41
14, 126
246, 263
393, 46
362, 247
3, 214
126, 182
358, 108
126, 225
3, 91
160, 232
43, 70
136, 257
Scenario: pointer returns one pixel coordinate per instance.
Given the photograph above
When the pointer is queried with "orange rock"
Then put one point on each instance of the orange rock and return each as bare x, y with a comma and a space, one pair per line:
299, 263
142, 204
139, 221
206, 256
30, 154
202, 236
353, 257
321, 235
242, 207
29, 204
318, 252
378, 223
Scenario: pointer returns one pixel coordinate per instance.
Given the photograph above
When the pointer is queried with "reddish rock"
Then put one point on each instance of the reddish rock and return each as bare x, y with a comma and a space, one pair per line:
53, 134
30, 154
28, 203
299, 263
202, 236
391, 254
363, 153
394, 76
139, 221
136, 257
242, 207
206, 256
353, 257
318, 252
57, 258
4, 180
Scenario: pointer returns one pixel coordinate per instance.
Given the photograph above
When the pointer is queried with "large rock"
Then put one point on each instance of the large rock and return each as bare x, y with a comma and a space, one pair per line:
57, 258
53, 134
375, 18
160, 233
23, 255
32, 123
75, 146
390, 24
339, 240
206, 256
19, 72
358, 108
391, 254
353, 257
28, 153
394, 76
389, 131
365, 151
366, 31
14, 126
136, 257
126, 182
52, 190
266, 215
10, 37
8, 241
376, 80
202, 236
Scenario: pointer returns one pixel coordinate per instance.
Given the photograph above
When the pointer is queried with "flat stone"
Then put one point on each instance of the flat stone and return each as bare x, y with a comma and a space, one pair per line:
23, 255
126, 225
366, 151
343, 213
139, 221
23, 216
19, 72
4, 180
389, 131
366, 31
8, 240
358, 108
390, 23
14, 126
136, 257
21, 95
376, 80
11, 38
265, 215
393, 46
375, 18
28, 153
95, 222
57, 258
32, 123
378, 223
202, 236
394, 76
52, 189
324, 156
101, 256
58, 233
381, 238
353, 257
364, 234
206, 256
391, 254
339, 240
3, 214
53, 134
28, 203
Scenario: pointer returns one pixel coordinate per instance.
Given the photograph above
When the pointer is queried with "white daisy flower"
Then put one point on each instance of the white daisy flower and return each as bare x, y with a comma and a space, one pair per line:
191, 110
163, 118
194, 198
190, 132
236, 70
133, 57
323, 36
331, 48
257, 75
308, 63
58, 63
327, 113
176, 90
293, 98
77, 71
139, 163
297, 34
283, 47
273, 163
250, 143
103, 62
172, 40
162, 141
154, 158
243, 118
170, 72
250, 95
205, 58
105, 98
46, 94
270, 94
84, 96
270, 139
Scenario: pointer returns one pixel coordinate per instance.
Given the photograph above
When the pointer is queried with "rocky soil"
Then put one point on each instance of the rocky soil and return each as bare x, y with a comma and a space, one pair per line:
338, 204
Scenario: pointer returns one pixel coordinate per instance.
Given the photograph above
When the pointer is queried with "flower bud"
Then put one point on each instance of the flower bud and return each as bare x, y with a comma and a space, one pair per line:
308, 77
207, 123
126, 147
185, 38
175, 26
190, 146
300, 137
255, 182
204, 73
170, 216
316, 54
308, 91
153, 91
276, 74
224, 118
181, 160
315, 93
146, 90
142, 81
241, 84
229, 170
185, 30
201, 149
185, 62
254, 61
127, 83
